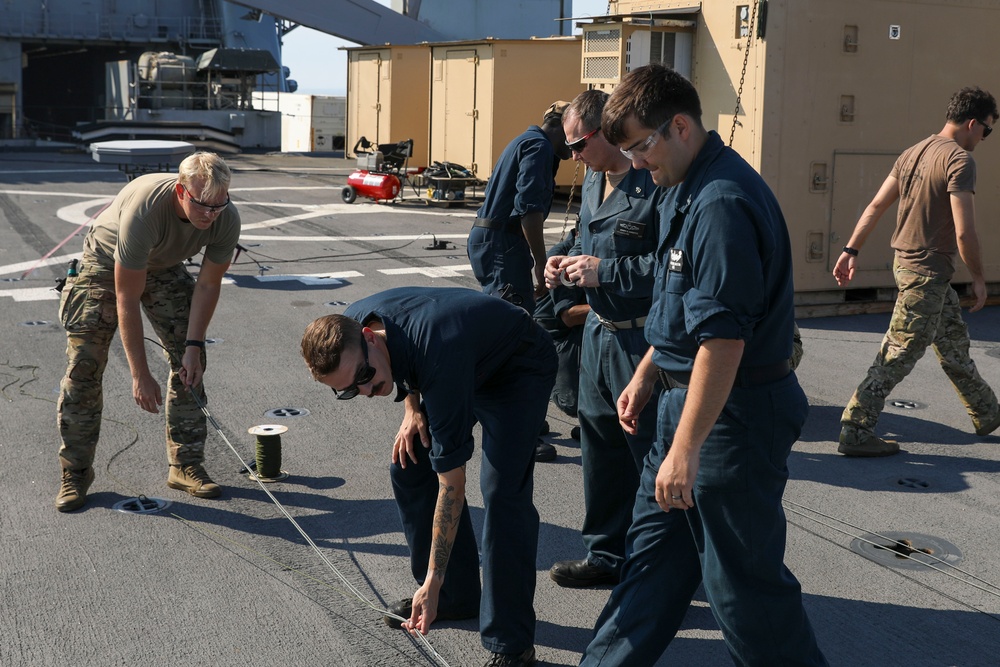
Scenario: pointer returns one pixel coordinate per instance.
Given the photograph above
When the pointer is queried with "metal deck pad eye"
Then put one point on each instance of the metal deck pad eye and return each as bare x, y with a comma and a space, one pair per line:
141, 505
287, 412
908, 551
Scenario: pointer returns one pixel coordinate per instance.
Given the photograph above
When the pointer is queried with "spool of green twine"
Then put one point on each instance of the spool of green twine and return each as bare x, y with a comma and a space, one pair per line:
268, 451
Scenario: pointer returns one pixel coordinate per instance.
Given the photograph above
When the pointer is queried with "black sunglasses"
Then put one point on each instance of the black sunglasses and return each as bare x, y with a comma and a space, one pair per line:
986, 128
211, 208
581, 143
363, 376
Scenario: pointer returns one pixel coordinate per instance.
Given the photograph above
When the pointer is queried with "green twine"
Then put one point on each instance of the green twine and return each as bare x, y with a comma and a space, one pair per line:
268, 455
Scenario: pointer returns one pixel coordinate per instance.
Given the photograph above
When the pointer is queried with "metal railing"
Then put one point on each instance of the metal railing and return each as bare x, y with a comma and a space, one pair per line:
38, 24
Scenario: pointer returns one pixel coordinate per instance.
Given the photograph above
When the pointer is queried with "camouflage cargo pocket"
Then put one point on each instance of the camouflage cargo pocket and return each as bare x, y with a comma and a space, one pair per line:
86, 307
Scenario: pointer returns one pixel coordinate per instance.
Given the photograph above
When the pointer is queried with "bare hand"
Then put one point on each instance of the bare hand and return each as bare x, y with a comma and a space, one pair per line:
675, 481
414, 425
191, 369
581, 270
146, 392
630, 404
425, 604
843, 272
552, 270
979, 291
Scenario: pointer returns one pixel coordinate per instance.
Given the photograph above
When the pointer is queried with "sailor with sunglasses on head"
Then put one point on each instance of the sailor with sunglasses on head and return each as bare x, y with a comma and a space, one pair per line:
455, 357
614, 263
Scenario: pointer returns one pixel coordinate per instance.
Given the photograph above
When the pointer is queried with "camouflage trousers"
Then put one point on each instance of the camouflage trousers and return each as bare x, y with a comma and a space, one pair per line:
927, 312
88, 311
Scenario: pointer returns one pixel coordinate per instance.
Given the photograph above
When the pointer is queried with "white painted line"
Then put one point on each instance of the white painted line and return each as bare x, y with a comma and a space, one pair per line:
274, 222
47, 193
21, 267
312, 278
31, 294
387, 237
429, 271
77, 213
58, 171
265, 188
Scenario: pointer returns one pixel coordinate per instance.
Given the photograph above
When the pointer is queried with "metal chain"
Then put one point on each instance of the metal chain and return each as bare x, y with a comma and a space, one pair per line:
569, 202
743, 75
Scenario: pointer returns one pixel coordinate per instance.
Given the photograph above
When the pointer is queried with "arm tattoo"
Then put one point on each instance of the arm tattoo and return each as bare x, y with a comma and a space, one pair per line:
446, 517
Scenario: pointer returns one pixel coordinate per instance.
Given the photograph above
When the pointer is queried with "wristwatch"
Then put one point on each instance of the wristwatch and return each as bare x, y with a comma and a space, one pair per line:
850, 251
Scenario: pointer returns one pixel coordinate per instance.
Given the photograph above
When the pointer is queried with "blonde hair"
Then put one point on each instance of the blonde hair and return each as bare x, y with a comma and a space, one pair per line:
209, 169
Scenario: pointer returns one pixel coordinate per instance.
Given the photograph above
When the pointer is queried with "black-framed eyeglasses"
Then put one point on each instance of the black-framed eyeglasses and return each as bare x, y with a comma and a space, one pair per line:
363, 376
581, 143
211, 208
986, 128
642, 147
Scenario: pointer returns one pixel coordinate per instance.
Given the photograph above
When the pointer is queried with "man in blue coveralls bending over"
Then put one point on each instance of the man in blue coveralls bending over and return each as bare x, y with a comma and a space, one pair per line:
454, 357
708, 509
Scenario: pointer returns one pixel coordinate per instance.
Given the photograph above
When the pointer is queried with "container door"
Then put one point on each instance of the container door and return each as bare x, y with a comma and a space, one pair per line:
856, 179
367, 101
460, 112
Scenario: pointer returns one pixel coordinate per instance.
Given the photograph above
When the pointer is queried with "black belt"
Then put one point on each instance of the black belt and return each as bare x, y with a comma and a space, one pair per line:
503, 225
746, 376
634, 323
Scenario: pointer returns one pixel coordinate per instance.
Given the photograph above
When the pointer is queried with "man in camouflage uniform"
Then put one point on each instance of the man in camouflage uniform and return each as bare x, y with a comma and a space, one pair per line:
934, 182
133, 256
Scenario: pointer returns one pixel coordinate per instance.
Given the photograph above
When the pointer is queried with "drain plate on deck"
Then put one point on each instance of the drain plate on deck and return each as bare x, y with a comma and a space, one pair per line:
892, 549
141, 505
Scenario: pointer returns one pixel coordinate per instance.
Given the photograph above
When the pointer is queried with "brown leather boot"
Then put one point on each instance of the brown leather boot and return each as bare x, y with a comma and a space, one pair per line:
73, 491
192, 478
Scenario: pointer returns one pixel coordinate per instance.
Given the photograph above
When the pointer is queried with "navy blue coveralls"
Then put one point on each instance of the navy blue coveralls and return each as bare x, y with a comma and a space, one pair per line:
522, 182
568, 340
623, 232
472, 358
724, 271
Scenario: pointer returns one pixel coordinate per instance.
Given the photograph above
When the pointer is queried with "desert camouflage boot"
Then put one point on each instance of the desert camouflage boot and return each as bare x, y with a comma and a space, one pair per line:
73, 490
192, 478
855, 443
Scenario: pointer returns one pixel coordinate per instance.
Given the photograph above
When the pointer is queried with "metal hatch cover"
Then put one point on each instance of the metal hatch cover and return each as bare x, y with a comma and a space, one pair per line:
908, 551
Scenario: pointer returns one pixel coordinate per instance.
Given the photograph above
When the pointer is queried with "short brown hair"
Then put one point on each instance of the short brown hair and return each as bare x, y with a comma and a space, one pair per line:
588, 105
653, 94
326, 339
972, 103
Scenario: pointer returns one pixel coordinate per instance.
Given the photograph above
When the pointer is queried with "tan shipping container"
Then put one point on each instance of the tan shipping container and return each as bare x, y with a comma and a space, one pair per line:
388, 97
833, 91
485, 93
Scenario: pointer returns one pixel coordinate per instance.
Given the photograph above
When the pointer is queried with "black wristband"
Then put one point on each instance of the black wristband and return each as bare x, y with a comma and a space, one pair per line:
194, 343
850, 251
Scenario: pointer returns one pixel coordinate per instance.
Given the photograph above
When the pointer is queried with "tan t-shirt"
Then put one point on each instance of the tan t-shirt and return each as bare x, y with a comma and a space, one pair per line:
928, 173
141, 229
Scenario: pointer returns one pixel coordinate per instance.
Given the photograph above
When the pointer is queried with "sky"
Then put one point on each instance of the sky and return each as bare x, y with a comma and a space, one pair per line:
320, 67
